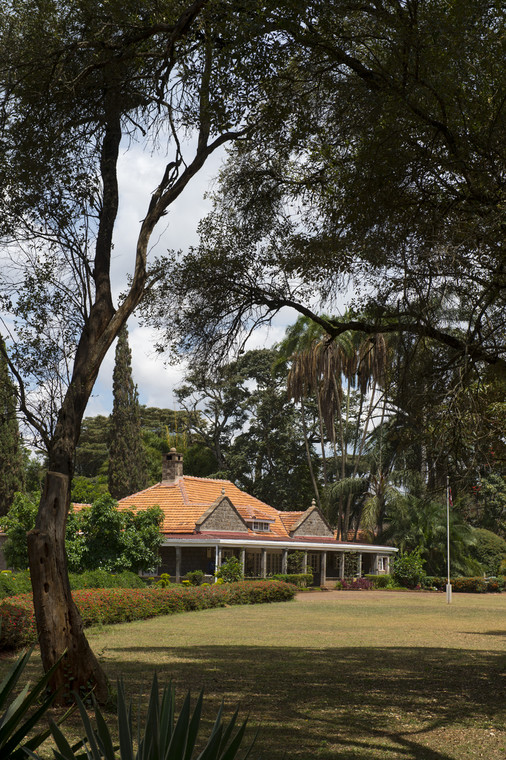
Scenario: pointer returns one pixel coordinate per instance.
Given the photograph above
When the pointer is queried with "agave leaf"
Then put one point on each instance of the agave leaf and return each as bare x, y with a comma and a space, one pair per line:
88, 728
150, 746
227, 732
64, 749
231, 751
12, 677
14, 727
193, 728
177, 748
103, 734
124, 725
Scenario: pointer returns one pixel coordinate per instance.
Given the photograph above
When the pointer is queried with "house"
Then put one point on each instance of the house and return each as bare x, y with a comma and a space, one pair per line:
206, 521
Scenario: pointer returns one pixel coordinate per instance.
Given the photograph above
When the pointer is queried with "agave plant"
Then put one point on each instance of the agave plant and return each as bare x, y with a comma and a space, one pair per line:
162, 736
17, 718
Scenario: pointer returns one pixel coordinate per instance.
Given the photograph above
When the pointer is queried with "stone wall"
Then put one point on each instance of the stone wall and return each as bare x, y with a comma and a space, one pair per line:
223, 517
313, 525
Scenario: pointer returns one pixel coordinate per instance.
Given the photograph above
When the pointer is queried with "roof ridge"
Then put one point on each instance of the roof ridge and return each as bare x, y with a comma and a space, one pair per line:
198, 477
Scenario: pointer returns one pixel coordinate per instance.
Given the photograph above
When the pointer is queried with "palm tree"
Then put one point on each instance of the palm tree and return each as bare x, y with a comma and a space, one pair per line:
420, 522
318, 369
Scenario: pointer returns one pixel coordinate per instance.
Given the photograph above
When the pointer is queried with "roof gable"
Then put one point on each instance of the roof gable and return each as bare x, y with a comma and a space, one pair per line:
311, 523
221, 516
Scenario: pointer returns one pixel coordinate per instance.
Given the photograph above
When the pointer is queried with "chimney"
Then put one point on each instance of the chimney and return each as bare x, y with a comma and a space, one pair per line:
172, 466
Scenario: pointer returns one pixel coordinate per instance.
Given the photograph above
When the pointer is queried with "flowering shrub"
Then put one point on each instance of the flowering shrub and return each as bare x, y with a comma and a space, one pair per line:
117, 605
349, 584
476, 585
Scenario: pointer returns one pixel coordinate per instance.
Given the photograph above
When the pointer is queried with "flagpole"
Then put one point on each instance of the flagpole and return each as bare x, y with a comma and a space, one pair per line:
448, 585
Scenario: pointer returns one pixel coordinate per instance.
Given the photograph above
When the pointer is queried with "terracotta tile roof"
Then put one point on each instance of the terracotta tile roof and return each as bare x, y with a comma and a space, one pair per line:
77, 507
289, 519
185, 500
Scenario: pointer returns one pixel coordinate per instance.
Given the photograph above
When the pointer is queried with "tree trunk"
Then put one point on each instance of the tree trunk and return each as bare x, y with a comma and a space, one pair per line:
58, 621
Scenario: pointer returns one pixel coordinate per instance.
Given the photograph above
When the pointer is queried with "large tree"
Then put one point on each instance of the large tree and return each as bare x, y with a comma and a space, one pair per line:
11, 454
78, 82
381, 167
127, 459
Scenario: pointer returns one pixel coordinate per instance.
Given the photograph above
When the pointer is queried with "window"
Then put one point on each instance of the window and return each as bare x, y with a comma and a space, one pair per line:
253, 567
273, 563
381, 564
260, 526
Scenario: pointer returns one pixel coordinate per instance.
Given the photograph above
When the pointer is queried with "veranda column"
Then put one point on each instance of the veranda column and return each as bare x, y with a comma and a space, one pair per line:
178, 564
342, 567
217, 560
323, 569
359, 565
263, 564
304, 563
242, 559
284, 561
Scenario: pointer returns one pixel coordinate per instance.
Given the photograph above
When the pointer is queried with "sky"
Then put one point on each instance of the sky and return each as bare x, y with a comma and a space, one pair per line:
138, 174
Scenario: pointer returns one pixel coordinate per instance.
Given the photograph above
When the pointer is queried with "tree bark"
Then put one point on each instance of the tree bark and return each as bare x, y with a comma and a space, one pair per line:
58, 621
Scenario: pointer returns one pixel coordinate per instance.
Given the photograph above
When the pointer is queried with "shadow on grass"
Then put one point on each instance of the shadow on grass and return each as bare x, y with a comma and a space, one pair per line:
487, 633
334, 703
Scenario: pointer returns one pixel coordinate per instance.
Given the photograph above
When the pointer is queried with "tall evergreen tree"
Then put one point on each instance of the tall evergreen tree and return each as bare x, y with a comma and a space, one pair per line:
11, 454
127, 459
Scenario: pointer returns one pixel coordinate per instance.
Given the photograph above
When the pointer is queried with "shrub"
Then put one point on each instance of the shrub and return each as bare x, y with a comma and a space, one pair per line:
350, 584
477, 585
103, 579
116, 605
434, 582
12, 583
295, 562
196, 577
489, 549
230, 571
408, 569
301, 580
163, 581
380, 581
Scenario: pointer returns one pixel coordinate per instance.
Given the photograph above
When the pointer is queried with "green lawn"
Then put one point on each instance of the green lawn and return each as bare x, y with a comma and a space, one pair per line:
346, 675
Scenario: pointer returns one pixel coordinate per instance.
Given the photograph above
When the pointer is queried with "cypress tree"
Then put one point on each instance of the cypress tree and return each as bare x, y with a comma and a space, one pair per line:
127, 459
11, 453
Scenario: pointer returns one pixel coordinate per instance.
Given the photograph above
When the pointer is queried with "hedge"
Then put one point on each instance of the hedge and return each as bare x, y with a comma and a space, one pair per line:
15, 582
106, 606
467, 585
302, 580
353, 584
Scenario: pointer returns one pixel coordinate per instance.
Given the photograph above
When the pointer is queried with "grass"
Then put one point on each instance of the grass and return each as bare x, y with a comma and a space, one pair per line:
345, 675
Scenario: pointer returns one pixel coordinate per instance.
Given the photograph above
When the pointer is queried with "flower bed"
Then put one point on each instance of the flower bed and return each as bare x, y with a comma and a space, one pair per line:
353, 584
106, 606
